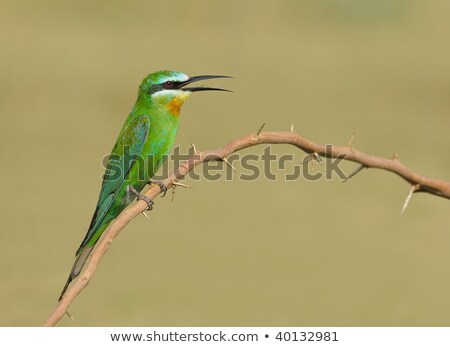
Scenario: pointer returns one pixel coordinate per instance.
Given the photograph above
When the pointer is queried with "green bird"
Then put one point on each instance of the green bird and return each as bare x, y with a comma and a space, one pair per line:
143, 144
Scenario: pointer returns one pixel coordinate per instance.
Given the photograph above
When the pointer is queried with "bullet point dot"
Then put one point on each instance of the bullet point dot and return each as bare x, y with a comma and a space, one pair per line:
267, 335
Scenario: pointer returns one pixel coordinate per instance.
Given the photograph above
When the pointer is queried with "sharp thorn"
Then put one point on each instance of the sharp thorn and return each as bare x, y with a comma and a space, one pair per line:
178, 184
394, 156
292, 127
260, 129
225, 160
70, 316
194, 148
145, 214
317, 157
354, 172
350, 143
413, 188
313, 158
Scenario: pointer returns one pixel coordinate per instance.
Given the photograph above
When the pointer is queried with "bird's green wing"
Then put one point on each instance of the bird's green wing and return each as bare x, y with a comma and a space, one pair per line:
129, 144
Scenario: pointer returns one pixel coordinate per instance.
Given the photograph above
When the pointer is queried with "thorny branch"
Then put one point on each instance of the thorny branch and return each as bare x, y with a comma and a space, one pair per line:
417, 183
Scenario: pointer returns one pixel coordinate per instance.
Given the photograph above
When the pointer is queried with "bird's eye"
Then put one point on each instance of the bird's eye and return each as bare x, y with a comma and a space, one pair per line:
169, 84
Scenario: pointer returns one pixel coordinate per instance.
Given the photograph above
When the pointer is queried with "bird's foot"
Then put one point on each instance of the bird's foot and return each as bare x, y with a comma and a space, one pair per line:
161, 185
140, 196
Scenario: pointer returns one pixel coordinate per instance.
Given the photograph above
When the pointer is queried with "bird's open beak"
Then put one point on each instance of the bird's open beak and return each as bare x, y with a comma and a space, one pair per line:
201, 78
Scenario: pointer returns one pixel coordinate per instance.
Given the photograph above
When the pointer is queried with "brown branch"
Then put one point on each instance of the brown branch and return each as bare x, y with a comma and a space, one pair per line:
418, 183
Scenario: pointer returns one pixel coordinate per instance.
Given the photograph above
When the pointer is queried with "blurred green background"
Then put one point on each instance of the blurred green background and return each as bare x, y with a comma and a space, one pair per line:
229, 253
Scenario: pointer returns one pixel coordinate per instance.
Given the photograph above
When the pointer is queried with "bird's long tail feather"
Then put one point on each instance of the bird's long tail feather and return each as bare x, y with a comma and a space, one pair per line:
76, 268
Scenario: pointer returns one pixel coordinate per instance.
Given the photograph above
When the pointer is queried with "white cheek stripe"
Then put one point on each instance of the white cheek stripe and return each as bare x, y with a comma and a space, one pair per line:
163, 92
170, 92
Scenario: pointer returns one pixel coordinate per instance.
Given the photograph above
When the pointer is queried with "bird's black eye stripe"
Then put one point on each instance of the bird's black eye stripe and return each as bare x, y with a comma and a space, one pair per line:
169, 85
165, 85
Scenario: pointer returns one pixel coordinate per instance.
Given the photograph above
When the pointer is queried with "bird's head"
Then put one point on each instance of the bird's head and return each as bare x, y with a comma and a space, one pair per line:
170, 88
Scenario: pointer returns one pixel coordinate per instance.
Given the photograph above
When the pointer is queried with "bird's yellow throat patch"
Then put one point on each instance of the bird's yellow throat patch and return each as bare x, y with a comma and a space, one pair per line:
174, 105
